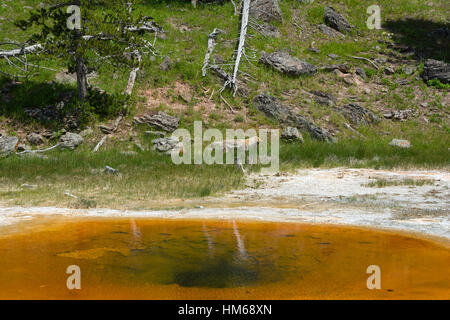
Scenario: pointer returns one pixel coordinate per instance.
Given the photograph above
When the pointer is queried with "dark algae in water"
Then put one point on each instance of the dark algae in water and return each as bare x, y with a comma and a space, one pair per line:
192, 259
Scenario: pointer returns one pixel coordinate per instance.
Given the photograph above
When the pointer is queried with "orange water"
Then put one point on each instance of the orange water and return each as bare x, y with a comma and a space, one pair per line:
179, 259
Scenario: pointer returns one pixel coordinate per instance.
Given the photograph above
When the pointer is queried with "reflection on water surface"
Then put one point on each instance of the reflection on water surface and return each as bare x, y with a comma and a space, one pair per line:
179, 259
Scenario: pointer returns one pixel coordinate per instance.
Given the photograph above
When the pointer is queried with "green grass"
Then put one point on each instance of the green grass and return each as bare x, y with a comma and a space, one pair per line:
143, 179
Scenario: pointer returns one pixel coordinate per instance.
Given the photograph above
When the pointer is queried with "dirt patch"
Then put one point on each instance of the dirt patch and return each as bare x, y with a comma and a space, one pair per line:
181, 99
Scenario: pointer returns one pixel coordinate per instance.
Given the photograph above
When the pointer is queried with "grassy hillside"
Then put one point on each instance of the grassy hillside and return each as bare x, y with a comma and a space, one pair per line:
403, 42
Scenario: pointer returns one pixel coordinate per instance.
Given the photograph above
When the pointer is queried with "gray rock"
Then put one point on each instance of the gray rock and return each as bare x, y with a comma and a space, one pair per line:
400, 143
287, 64
155, 133
330, 31
7, 145
243, 89
166, 65
333, 56
23, 147
315, 50
269, 31
345, 68
380, 60
403, 82
399, 115
274, 109
160, 120
434, 69
271, 107
35, 139
167, 145
336, 21
86, 132
360, 72
409, 70
109, 169
325, 99
358, 115
291, 134
389, 70
265, 10
70, 141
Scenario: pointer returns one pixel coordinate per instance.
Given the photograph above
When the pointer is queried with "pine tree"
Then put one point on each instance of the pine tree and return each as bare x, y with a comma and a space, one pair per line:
89, 33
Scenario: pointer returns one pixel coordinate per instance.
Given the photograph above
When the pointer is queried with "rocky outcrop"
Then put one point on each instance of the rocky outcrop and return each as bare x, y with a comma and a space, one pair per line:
70, 141
167, 145
336, 21
434, 69
274, 109
265, 10
330, 31
35, 139
160, 120
323, 98
291, 134
343, 67
269, 31
358, 115
399, 115
287, 64
7, 145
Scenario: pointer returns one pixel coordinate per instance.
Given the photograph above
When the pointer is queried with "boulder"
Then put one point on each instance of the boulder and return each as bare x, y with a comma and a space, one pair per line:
345, 68
35, 139
399, 115
434, 69
86, 132
400, 143
160, 120
287, 64
7, 145
167, 145
274, 109
70, 141
269, 31
23, 147
291, 134
330, 31
325, 99
271, 107
166, 65
358, 115
336, 21
389, 70
409, 69
265, 10
360, 72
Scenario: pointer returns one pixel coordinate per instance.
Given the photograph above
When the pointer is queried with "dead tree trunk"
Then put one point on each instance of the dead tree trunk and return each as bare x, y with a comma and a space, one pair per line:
240, 48
211, 44
82, 83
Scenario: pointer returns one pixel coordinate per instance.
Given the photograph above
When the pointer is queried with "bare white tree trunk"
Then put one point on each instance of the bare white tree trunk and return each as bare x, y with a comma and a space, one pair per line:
240, 48
211, 44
